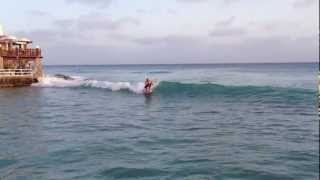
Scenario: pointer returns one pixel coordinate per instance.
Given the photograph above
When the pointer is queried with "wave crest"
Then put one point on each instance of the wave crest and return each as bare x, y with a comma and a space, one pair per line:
116, 86
166, 87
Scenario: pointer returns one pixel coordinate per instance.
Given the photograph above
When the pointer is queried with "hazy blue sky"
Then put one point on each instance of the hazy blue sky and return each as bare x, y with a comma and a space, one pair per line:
167, 31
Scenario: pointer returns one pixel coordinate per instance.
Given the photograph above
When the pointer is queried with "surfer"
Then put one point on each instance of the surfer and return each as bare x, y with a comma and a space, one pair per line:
148, 85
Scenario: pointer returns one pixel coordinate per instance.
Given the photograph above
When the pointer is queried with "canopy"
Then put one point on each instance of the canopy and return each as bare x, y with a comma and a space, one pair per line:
8, 38
1, 31
25, 40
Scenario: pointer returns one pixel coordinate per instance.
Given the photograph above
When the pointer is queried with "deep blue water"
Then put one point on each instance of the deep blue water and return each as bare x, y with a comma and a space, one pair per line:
227, 121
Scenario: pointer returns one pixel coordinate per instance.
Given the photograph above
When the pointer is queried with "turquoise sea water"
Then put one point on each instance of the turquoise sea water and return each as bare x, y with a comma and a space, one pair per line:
235, 121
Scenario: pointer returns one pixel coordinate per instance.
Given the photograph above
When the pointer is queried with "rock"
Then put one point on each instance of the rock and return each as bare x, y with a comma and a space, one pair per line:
65, 77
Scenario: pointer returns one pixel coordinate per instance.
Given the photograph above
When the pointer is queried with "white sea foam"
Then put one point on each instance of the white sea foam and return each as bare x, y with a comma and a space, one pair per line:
116, 86
51, 81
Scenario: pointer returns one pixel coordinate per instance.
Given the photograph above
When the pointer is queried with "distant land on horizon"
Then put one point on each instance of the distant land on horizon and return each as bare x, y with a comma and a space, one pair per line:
227, 63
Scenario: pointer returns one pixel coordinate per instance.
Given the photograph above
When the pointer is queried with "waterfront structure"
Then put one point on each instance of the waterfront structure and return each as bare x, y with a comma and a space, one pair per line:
20, 65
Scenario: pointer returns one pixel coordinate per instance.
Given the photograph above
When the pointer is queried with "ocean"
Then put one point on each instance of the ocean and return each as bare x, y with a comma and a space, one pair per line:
209, 121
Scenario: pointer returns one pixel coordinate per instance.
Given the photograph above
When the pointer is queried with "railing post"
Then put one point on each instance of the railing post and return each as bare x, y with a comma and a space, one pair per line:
1, 62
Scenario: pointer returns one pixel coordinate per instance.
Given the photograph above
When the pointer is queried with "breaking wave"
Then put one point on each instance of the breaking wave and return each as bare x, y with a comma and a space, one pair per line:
173, 88
57, 82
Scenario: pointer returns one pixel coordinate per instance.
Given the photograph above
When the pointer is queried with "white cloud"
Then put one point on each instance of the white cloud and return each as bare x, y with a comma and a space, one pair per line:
304, 3
100, 3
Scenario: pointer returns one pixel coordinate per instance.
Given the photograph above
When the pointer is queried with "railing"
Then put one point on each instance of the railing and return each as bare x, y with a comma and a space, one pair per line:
21, 53
16, 72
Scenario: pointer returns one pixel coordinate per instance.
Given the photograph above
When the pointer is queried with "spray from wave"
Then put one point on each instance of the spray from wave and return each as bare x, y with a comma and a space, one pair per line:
116, 86
52, 81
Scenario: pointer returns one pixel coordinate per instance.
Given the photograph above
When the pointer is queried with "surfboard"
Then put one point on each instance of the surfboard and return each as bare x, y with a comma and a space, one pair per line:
147, 93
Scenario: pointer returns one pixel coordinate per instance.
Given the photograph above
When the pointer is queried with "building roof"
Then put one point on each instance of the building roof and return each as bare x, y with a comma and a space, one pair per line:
8, 39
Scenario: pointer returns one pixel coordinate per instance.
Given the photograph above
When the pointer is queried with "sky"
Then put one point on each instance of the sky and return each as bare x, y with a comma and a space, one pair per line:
167, 31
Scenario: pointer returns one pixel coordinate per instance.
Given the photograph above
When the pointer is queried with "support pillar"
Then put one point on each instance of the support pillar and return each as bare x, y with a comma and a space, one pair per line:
38, 71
